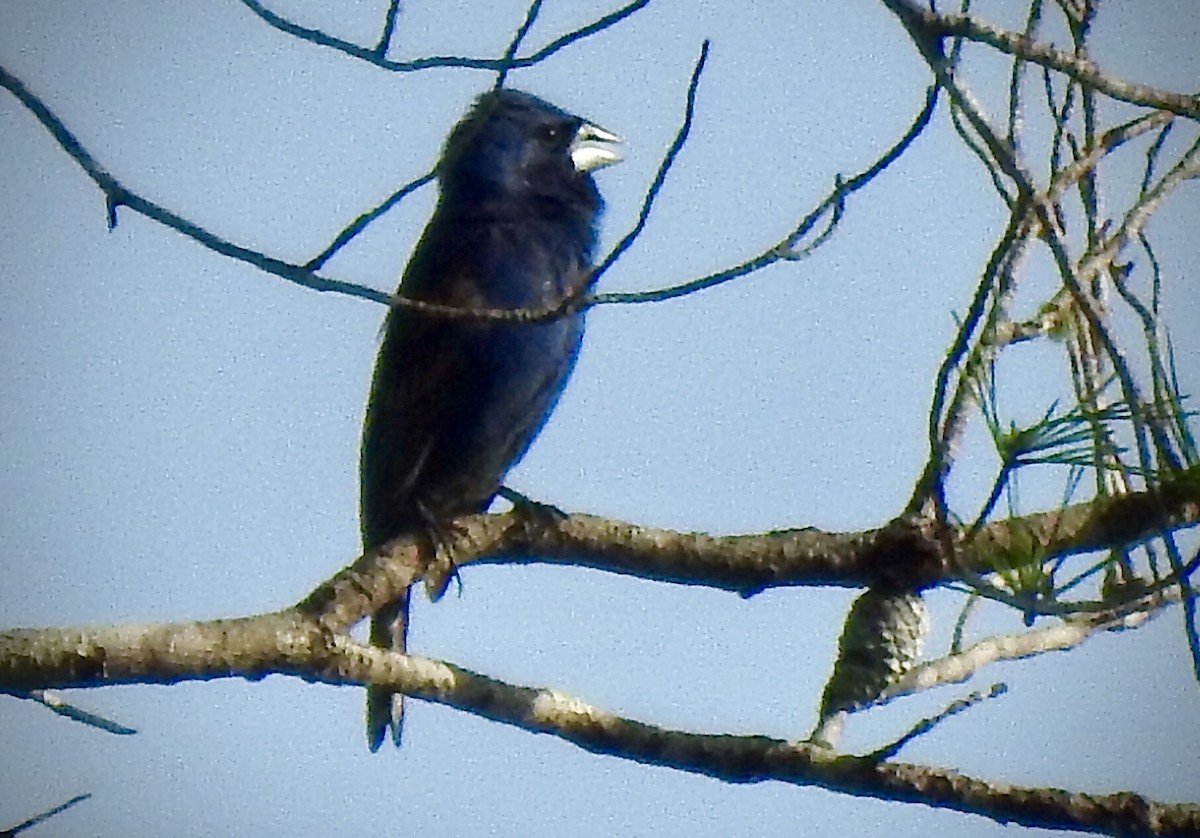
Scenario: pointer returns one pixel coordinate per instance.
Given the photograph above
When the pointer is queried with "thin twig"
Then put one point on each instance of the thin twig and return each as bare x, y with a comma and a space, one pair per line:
359, 224
54, 702
664, 168
116, 196
389, 28
13, 831
785, 249
510, 51
926, 725
373, 56
931, 26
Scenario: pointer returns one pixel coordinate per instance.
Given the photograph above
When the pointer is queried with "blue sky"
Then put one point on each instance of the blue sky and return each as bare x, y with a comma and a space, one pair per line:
179, 432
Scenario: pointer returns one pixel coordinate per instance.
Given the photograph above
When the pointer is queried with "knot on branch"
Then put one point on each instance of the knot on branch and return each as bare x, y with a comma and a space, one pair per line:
910, 552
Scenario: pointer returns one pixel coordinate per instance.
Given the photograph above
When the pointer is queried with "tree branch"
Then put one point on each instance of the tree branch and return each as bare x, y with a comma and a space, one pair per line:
929, 26
288, 643
1059, 637
786, 250
116, 196
377, 55
900, 553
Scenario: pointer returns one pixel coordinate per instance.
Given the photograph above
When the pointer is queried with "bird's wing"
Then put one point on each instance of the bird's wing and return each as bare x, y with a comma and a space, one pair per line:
417, 366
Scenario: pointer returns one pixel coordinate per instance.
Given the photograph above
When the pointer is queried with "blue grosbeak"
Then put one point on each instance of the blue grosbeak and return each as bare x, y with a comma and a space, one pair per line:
457, 401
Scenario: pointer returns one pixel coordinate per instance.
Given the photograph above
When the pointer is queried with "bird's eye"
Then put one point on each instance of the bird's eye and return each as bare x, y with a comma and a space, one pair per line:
550, 134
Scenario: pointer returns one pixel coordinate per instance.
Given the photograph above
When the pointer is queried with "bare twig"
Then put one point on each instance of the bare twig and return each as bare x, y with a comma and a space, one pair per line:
510, 51
13, 831
926, 725
660, 177
947, 413
54, 702
116, 195
359, 224
785, 250
389, 28
931, 26
377, 57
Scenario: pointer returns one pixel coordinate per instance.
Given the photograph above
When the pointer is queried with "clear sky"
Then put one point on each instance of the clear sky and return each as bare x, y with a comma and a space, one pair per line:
179, 432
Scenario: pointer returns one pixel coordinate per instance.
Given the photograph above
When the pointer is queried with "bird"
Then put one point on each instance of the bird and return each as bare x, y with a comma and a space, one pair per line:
456, 402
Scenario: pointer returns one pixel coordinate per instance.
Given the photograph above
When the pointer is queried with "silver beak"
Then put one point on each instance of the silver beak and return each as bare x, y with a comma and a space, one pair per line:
592, 148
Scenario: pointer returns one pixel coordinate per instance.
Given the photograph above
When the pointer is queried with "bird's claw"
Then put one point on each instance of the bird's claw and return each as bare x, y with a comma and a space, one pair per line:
441, 567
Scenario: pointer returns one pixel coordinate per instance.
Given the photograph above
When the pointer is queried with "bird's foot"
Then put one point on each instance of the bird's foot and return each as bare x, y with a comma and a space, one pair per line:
441, 571
442, 568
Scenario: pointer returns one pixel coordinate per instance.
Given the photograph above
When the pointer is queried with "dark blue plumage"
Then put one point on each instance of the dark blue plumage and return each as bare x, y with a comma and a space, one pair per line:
455, 403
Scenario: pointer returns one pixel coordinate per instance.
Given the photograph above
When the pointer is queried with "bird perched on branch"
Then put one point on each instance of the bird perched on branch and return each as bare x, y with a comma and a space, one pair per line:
456, 401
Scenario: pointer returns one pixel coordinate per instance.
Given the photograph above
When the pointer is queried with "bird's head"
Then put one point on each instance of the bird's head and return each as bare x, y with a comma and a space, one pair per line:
517, 150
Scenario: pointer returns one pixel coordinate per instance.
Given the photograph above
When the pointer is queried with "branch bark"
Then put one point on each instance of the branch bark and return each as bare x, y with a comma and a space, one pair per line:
289, 642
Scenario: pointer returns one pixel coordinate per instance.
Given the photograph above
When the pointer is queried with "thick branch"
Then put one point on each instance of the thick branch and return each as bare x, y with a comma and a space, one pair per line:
898, 553
287, 643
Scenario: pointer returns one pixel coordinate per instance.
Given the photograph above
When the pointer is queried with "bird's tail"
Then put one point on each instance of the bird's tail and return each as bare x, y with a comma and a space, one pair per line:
385, 709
